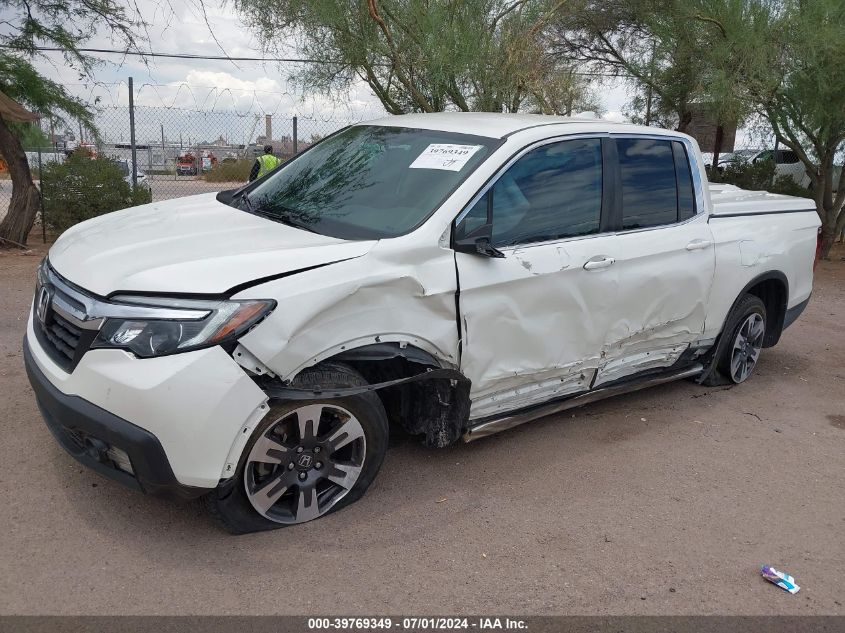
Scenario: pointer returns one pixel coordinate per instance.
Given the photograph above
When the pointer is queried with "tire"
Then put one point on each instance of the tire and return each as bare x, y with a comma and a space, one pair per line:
300, 463
745, 330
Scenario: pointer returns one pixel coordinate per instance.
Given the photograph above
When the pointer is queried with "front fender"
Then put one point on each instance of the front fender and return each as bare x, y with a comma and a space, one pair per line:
386, 296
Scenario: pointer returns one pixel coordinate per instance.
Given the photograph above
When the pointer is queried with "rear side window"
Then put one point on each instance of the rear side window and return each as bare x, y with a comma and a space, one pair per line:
553, 192
686, 204
649, 189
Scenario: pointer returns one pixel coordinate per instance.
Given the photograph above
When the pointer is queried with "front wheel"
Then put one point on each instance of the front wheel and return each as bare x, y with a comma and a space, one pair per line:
306, 458
746, 329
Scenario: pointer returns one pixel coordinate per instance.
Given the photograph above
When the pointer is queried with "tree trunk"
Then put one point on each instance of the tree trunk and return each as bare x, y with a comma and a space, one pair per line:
684, 119
826, 204
828, 237
23, 208
829, 217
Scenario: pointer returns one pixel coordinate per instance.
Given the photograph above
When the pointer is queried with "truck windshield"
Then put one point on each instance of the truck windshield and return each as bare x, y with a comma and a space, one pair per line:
369, 182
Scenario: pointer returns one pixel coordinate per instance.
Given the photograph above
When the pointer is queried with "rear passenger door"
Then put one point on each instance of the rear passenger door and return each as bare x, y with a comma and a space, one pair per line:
665, 257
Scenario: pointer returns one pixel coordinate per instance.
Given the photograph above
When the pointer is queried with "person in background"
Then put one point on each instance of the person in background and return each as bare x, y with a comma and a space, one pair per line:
264, 164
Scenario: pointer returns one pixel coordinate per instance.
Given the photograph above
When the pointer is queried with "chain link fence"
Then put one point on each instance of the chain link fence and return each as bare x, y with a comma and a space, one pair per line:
176, 152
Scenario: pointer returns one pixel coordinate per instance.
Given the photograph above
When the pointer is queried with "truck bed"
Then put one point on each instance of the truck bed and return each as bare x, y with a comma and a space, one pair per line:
730, 200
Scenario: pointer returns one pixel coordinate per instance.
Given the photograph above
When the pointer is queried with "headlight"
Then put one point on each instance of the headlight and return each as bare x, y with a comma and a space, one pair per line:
200, 324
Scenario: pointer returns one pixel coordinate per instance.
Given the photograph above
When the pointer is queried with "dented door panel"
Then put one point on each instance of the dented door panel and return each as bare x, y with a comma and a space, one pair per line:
533, 322
664, 280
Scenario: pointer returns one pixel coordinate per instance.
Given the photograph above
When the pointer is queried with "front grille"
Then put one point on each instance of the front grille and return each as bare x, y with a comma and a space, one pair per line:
63, 340
63, 336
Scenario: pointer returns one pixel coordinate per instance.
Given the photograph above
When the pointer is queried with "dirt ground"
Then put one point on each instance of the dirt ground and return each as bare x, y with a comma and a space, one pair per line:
666, 501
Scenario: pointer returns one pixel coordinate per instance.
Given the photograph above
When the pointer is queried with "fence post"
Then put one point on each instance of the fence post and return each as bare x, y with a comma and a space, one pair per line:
295, 139
41, 197
132, 134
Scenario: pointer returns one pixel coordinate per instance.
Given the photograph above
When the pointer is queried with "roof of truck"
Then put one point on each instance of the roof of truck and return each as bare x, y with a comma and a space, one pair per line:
490, 124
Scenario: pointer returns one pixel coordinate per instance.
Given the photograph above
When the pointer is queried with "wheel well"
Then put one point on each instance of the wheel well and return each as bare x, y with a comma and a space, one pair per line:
437, 408
773, 292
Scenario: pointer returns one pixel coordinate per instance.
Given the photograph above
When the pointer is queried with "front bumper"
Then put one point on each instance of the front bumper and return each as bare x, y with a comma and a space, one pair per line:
80, 427
182, 419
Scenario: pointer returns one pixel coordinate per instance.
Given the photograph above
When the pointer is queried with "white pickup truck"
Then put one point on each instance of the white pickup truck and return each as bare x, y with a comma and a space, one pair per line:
455, 274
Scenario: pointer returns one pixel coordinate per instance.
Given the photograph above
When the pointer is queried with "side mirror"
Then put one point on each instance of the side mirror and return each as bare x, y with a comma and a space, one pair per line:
477, 242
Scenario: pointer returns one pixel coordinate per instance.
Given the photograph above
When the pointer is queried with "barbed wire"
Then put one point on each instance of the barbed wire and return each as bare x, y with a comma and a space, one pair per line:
243, 102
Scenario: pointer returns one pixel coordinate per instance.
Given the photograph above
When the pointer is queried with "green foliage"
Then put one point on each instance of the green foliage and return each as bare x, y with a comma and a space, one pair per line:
67, 24
758, 176
30, 135
658, 44
140, 195
230, 171
417, 55
20, 80
785, 59
83, 188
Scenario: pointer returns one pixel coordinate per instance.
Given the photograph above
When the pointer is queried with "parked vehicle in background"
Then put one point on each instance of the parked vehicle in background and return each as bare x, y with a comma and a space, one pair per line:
46, 156
742, 155
186, 164
786, 162
141, 178
456, 273
208, 161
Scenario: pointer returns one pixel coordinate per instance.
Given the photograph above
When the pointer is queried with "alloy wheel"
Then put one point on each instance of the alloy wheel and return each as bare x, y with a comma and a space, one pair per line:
747, 346
304, 463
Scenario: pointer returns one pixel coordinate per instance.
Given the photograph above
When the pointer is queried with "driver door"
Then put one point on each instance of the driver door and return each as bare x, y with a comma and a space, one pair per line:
535, 310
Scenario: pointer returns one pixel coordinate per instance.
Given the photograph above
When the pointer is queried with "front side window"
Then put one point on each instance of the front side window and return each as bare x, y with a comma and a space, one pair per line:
369, 182
550, 193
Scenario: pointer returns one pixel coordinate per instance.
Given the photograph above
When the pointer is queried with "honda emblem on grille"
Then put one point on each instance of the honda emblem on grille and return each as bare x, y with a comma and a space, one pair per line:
43, 304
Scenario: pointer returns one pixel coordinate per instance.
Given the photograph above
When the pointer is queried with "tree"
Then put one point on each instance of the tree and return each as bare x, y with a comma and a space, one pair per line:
28, 25
785, 59
417, 55
634, 39
657, 44
30, 135
562, 90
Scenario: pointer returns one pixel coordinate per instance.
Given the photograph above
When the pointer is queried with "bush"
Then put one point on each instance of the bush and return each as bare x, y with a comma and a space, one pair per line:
140, 195
759, 176
230, 171
81, 188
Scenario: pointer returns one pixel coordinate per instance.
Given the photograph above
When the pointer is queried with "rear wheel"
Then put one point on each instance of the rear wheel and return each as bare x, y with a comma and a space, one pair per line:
746, 330
306, 458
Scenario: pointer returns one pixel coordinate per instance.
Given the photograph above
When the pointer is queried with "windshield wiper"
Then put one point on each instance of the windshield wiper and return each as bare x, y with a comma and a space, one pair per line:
285, 216
247, 203
289, 219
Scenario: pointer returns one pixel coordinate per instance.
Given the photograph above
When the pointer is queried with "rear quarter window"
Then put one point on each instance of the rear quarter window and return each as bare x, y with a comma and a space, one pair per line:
686, 196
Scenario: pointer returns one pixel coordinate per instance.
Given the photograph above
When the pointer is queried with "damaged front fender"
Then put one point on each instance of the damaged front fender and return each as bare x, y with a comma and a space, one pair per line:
440, 411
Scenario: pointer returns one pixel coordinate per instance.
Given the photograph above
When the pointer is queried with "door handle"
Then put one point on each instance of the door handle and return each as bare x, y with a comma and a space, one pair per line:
697, 245
598, 262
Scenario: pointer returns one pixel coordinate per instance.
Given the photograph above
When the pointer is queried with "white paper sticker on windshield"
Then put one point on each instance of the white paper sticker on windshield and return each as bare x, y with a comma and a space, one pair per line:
445, 156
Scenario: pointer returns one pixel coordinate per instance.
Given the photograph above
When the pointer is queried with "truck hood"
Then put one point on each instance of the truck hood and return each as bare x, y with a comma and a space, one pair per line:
188, 245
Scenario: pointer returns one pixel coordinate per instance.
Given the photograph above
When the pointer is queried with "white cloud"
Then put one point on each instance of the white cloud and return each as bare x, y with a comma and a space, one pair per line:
616, 116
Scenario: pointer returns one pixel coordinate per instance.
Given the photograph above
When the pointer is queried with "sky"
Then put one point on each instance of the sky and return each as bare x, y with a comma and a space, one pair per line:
244, 87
